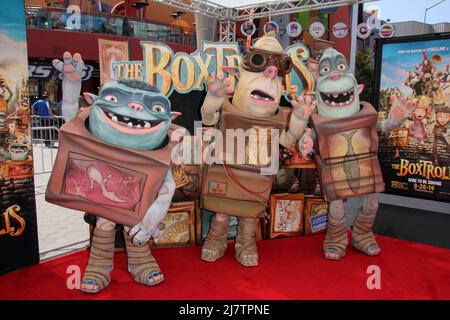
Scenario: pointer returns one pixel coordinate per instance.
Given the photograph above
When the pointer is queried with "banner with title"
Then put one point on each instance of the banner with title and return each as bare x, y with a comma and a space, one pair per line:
415, 158
183, 72
18, 229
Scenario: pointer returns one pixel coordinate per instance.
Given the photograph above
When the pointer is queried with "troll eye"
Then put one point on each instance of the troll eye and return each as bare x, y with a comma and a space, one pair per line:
341, 67
158, 108
110, 98
325, 70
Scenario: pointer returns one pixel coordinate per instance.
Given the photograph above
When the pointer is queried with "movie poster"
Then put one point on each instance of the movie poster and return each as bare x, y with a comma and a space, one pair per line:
415, 158
18, 230
109, 52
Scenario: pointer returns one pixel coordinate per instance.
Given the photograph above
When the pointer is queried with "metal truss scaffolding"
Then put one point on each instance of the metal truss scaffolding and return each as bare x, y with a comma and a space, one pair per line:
227, 30
274, 8
228, 17
269, 8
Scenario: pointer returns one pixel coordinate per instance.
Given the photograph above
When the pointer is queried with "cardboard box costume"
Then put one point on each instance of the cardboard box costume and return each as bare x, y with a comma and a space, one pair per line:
347, 154
106, 180
238, 188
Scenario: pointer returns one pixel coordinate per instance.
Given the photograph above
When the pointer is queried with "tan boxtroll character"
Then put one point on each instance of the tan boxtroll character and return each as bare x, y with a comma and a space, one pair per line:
254, 105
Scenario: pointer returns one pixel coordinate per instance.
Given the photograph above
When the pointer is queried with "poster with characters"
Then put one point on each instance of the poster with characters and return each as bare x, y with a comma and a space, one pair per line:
109, 52
415, 158
18, 231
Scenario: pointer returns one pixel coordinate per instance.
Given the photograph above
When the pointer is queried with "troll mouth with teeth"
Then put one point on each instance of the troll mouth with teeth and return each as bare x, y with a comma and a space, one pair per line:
130, 113
338, 99
337, 90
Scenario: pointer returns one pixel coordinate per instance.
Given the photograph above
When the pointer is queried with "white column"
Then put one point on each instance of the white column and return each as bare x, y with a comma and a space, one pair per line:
353, 36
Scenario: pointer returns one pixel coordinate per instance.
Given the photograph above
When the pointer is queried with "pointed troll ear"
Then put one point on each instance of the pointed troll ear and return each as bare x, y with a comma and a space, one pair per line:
174, 115
89, 97
360, 88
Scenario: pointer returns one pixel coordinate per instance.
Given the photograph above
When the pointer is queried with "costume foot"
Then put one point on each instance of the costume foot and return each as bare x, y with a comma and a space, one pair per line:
149, 275
97, 275
90, 286
141, 264
246, 250
363, 237
210, 255
216, 241
371, 250
248, 260
374, 250
333, 254
336, 238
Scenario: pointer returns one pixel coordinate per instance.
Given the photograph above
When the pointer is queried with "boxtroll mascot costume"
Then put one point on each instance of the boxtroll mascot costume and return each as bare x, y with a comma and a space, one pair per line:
114, 162
346, 148
242, 191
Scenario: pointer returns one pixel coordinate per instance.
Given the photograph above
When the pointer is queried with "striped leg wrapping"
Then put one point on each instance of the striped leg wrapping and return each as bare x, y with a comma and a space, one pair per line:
141, 264
246, 241
216, 240
336, 237
101, 259
362, 234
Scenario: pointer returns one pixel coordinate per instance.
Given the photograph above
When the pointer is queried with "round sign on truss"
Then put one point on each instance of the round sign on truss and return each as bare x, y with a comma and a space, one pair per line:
317, 29
271, 26
248, 28
294, 29
340, 30
386, 31
363, 31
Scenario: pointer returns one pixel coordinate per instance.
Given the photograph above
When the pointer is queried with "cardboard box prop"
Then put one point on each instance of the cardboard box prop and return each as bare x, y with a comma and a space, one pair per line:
106, 180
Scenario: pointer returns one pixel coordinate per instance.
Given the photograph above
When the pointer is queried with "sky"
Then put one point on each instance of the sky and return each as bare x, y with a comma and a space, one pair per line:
13, 43
12, 19
405, 10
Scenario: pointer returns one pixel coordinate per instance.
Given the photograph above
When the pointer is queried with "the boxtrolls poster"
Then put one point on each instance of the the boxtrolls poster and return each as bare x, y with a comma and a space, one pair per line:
18, 230
415, 158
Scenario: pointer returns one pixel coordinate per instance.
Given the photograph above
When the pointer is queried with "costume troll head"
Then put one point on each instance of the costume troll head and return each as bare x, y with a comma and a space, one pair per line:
337, 90
131, 114
258, 91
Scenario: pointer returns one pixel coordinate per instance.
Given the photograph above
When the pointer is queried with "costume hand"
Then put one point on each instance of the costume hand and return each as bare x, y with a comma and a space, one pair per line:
72, 70
401, 108
72, 67
218, 85
306, 144
148, 227
141, 234
304, 107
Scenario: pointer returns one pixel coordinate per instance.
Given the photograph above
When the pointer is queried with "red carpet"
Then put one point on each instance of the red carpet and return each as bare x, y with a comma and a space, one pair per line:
289, 269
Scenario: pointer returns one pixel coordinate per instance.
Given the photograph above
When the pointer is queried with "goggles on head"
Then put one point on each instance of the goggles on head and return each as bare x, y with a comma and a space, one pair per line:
257, 60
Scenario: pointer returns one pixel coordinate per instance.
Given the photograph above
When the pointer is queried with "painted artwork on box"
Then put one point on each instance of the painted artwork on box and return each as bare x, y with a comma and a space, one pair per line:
177, 228
103, 183
288, 215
